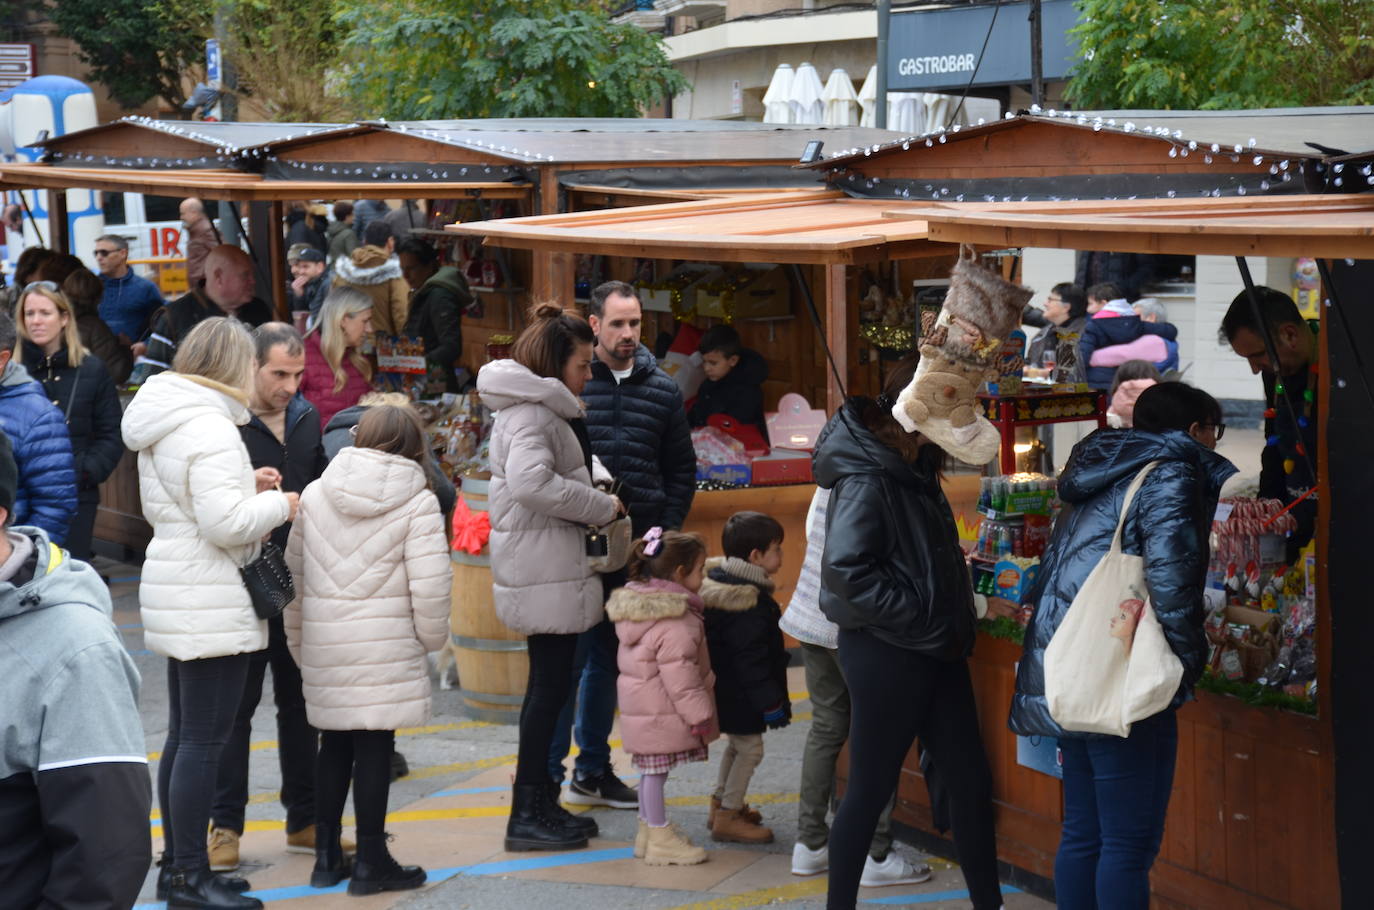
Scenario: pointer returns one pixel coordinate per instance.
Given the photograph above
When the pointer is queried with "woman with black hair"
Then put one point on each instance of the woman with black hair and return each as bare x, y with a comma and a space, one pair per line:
1116, 790
893, 578
1066, 309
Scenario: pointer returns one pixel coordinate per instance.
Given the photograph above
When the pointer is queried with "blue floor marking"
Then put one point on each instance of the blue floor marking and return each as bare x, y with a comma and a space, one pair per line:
932, 898
469, 790
126, 580
435, 876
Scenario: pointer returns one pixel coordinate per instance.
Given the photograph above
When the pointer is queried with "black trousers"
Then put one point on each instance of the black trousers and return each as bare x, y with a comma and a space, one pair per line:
296, 740
548, 690
81, 531
898, 695
364, 757
202, 698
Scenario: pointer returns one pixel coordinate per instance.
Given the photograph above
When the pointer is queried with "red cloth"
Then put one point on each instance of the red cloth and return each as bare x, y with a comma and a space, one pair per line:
317, 385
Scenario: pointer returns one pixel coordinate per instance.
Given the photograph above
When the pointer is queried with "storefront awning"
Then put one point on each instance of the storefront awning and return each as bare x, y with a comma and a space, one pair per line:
805, 228
239, 186
1328, 227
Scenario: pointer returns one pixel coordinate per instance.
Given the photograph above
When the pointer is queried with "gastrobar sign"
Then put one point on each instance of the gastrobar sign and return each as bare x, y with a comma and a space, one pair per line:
938, 50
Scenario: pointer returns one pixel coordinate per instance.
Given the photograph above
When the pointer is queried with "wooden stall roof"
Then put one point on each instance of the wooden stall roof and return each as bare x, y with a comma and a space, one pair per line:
237, 185
1337, 133
174, 143
587, 140
817, 228
1328, 226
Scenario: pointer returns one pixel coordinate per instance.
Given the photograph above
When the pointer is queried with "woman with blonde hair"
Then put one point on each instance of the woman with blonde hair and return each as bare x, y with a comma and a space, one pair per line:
77, 381
337, 374
209, 510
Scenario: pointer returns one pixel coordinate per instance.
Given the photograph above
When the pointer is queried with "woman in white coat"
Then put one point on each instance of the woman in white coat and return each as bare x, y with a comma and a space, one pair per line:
542, 502
371, 564
209, 511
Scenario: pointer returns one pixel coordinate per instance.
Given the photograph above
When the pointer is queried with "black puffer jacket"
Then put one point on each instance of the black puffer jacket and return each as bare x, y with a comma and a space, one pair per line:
1167, 525
300, 460
739, 394
747, 652
639, 431
86, 396
892, 564
436, 318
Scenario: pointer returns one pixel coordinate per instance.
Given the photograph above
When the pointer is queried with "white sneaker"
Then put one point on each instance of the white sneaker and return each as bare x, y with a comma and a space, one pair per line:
806, 861
892, 871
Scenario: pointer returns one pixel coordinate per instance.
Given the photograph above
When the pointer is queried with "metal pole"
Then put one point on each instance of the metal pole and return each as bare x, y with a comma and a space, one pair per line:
229, 111
1037, 51
884, 21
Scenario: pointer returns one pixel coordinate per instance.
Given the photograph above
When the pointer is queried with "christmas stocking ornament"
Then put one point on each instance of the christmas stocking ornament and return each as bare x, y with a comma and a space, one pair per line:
941, 402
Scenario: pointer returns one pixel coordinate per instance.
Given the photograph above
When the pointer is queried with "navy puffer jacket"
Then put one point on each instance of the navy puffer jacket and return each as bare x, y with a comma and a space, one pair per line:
42, 451
638, 429
1168, 525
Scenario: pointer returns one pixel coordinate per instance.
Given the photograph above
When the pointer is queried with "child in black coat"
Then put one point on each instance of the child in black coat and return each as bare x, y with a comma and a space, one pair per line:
734, 380
750, 662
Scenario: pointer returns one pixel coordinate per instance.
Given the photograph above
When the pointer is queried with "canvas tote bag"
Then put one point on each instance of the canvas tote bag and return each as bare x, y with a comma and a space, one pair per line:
1109, 663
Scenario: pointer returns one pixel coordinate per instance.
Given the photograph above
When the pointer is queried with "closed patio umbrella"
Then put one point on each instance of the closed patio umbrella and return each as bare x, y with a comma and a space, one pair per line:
807, 106
840, 100
777, 107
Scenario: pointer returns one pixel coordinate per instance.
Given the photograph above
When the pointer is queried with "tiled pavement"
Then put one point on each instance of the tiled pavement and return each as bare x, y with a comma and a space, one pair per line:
449, 816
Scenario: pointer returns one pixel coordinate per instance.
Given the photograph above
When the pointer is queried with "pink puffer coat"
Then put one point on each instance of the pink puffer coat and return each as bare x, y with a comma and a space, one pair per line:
666, 685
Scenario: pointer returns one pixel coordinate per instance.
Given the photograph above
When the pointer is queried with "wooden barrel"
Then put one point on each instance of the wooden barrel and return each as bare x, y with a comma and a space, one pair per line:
493, 665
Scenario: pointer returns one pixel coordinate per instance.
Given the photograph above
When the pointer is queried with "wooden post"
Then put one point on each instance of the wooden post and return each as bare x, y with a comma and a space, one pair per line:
552, 274
837, 333
57, 221
276, 256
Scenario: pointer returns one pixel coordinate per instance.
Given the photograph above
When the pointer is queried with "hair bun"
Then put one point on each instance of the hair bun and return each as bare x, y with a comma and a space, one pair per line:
546, 310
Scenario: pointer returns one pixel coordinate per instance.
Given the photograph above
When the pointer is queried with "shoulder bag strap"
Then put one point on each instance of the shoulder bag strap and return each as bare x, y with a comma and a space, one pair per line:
76, 383
1126, 504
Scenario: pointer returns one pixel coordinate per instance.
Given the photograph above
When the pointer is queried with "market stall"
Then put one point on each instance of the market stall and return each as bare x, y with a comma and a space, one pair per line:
1254, 815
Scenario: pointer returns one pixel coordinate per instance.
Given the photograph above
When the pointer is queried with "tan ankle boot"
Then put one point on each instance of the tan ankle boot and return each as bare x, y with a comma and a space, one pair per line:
732, 827
641, 839
754, 816
667, 846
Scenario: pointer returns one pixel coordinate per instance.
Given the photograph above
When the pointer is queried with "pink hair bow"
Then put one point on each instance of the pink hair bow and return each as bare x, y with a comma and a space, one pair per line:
653, 540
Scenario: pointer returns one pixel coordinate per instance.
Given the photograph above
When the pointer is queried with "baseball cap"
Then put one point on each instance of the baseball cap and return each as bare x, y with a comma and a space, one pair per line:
296, 249
309, 254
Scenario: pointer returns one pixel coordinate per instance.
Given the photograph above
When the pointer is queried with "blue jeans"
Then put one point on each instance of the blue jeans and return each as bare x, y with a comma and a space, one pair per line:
594, 700
1116, 794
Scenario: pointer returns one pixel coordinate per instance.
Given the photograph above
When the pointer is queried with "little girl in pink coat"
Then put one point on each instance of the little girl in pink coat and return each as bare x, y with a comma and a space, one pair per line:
666, 687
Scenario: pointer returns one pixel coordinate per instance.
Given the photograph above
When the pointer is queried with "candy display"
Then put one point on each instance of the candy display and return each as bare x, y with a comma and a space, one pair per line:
460, 430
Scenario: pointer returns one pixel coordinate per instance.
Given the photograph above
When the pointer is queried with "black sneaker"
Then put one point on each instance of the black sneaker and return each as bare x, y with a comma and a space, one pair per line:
603, 790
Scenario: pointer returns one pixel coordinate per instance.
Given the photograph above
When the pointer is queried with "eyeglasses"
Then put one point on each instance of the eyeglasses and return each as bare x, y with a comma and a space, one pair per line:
1053, 299
1219, 427
39, 285
102, 253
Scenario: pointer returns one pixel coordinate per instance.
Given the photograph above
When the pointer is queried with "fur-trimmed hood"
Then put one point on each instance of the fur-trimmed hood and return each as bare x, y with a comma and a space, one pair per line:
367, 265
733, 584
638, 605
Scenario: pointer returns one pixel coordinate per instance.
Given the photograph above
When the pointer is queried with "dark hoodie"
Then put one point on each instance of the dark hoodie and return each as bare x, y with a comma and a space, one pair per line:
1167, 525
739, 394
436, 318
337, 436
892, 564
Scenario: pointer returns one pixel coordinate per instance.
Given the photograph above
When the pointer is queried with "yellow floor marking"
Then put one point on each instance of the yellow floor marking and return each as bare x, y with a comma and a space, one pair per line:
803, 695
812, 887
262, 744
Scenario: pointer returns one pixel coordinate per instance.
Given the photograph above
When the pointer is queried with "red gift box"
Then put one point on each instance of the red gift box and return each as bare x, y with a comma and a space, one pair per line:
746, 433
782, 466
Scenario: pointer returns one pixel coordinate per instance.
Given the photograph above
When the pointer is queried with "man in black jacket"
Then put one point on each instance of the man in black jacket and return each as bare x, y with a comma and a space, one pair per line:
227, 291
74, 788
638, 430
282, 436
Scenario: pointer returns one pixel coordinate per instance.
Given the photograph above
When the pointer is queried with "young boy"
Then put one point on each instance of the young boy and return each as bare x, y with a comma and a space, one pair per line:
734, 379
750, 664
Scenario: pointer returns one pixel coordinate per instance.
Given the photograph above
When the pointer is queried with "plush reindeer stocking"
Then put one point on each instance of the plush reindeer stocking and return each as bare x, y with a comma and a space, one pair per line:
941, 403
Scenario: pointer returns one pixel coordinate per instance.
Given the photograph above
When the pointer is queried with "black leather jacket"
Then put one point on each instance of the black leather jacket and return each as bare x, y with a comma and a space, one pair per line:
892, 565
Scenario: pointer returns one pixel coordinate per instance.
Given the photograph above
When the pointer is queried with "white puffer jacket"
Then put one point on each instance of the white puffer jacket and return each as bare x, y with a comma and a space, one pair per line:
542, 501
371, 565
199, 495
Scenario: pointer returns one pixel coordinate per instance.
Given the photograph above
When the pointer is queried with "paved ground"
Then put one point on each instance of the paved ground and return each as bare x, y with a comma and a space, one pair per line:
449, 815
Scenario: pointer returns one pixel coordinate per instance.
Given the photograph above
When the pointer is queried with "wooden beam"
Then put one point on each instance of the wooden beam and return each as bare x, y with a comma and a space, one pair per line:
837, 334
59, 238
276, 255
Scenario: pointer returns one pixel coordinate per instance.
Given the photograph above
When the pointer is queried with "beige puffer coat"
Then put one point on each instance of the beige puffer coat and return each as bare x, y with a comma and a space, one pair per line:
198, 493
371, 566
542, 501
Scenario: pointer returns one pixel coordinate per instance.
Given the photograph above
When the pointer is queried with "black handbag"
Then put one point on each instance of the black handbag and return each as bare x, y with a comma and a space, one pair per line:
268, 581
